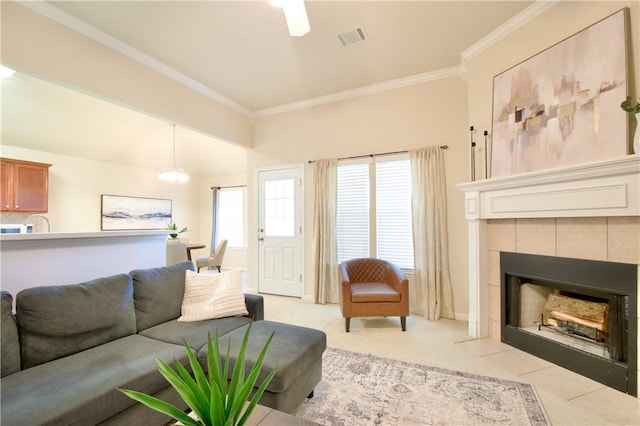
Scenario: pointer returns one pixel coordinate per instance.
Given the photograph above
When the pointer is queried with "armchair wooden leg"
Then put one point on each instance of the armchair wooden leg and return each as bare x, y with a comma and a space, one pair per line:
347, 321
403, 323
218, 269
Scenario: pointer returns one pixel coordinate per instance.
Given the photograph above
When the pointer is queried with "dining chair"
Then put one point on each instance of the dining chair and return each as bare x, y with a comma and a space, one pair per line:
215, 259
176, 252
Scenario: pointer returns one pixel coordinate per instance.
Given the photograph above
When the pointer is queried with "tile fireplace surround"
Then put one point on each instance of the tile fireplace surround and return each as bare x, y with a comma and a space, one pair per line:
586, 211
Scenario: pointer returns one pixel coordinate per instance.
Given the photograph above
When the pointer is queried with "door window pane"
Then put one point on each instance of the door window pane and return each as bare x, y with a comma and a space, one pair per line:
279, 208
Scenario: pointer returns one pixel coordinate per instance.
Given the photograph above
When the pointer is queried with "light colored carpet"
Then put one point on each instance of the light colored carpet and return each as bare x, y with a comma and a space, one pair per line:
360, 389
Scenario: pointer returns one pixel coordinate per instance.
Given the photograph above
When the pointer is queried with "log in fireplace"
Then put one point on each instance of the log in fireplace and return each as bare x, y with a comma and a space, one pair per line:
579, 314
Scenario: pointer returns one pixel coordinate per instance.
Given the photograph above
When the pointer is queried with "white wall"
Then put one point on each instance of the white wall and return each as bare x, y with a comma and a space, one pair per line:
75, 186
32, 42
434, 113
557, 23
564, 19
428, 114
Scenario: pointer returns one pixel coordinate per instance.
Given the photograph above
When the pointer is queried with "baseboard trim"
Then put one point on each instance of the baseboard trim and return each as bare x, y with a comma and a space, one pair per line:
461, 316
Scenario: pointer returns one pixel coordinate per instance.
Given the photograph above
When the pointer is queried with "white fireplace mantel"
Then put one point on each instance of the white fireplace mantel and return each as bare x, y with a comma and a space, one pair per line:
607, 188
600, 189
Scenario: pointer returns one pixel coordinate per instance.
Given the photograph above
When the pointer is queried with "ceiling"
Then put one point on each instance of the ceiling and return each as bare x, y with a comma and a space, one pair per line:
39, 115
242, 51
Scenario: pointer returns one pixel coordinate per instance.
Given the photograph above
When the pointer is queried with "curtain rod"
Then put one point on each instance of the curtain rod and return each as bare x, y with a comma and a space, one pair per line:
377, 155
226, 187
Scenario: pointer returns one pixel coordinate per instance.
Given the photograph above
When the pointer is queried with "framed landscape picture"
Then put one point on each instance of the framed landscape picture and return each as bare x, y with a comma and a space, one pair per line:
562, 106
127, 213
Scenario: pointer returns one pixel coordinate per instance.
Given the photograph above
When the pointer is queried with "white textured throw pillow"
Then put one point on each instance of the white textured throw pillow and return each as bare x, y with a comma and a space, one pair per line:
212, 296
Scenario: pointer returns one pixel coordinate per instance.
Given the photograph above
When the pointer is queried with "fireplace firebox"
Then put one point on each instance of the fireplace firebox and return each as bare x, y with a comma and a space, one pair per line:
579, 314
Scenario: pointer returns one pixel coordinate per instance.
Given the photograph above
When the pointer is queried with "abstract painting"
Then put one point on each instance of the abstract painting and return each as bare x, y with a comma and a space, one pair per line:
126, 213
562, 106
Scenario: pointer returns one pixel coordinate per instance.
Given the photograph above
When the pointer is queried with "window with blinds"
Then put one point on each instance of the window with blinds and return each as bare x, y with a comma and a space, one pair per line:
394, 235
374, 211
352, 222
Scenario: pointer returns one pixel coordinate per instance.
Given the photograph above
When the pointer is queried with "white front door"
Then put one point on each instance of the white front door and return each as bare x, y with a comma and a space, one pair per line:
280, 243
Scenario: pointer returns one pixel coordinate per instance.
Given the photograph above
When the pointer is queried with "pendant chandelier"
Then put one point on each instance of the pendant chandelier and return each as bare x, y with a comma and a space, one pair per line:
173, 173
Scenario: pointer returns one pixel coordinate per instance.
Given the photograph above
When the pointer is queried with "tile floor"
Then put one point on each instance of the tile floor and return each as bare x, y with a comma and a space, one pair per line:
568, 398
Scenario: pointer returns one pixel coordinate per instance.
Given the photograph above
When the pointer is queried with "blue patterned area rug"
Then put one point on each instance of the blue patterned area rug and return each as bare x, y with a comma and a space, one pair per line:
360, 389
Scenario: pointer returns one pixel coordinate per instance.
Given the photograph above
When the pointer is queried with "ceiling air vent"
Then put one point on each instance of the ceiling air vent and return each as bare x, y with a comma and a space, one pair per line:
351, 37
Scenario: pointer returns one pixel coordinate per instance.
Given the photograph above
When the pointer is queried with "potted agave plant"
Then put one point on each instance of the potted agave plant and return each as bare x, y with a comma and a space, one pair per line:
633, 108
211, 398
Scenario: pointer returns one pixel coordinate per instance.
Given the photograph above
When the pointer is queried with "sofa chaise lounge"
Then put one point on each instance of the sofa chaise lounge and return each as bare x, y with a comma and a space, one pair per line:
68, 348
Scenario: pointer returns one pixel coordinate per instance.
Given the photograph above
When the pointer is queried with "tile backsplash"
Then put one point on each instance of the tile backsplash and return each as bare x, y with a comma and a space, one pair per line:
12, 217
612, 239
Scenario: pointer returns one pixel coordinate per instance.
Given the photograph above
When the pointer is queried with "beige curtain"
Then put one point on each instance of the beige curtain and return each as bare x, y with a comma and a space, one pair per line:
432, 290
324, 226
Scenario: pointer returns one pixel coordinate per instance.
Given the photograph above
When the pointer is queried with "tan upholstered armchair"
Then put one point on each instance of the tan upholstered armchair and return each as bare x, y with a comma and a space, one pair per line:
215, 259
373, 288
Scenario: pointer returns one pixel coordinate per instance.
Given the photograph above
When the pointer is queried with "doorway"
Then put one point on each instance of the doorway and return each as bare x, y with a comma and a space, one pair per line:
280, 238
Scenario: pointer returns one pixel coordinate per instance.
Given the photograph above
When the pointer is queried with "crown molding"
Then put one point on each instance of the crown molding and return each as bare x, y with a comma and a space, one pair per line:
362, 91
531, 12
52, 12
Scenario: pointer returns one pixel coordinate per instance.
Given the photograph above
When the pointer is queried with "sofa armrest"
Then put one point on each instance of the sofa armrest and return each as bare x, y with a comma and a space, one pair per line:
255, 306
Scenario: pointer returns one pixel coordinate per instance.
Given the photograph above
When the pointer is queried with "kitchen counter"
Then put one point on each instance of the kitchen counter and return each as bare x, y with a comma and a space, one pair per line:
80, 235
28, 260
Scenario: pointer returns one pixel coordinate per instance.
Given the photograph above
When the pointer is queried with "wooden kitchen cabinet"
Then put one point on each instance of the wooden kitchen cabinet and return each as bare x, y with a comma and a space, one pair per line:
24, 186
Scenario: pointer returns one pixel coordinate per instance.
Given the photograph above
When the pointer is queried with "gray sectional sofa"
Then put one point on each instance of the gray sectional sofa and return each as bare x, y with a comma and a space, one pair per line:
67, 348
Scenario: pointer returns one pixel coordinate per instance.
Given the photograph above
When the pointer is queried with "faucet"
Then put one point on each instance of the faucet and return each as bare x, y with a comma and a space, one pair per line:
38, 216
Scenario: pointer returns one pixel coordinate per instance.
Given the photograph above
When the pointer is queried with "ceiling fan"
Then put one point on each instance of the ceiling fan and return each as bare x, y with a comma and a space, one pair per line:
295, 14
